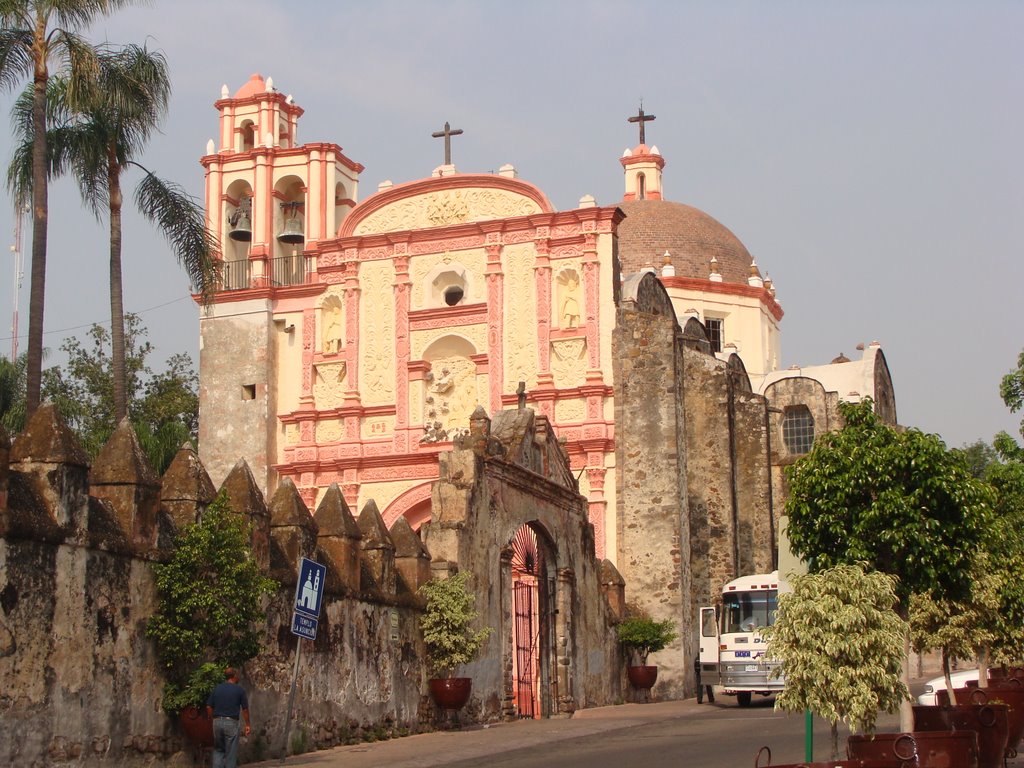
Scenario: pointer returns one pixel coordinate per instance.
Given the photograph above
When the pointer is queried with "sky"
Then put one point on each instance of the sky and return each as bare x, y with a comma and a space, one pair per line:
867, 153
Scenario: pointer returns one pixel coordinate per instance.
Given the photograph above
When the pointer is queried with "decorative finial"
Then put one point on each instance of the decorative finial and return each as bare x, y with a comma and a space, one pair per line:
288, 99
270, 85
210, 148
224, 92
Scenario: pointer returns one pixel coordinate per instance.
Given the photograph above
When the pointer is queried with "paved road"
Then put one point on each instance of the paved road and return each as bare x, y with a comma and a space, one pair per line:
680, 734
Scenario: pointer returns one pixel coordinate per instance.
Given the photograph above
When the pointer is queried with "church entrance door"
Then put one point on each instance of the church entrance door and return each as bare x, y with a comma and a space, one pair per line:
532, 600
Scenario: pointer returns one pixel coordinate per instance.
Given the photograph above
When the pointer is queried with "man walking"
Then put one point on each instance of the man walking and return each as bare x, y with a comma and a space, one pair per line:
227, 701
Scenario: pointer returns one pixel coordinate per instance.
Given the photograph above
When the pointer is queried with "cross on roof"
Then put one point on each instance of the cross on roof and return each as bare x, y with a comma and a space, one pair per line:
642, 118
447, 134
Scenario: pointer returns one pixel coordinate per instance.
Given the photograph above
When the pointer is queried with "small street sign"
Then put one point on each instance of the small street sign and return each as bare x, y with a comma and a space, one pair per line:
303, 626
309, 590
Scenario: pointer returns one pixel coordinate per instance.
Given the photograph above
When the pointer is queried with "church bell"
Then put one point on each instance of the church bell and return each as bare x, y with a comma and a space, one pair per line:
292, 232
241, 221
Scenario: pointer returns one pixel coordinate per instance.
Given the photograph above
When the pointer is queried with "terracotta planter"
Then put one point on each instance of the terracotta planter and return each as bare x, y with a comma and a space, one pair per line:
1005, 673
197, 726
920, 749
642, 677
1006, 694
450, 692
989, 721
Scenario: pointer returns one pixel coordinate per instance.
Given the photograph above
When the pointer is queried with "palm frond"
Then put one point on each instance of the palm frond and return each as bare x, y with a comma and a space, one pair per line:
15, 52
76, 14
182, 221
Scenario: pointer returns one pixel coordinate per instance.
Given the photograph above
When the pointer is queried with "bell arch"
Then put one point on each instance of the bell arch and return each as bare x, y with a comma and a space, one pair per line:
289, 222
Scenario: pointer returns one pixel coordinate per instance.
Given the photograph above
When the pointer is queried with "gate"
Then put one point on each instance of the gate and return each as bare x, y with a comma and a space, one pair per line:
525, 636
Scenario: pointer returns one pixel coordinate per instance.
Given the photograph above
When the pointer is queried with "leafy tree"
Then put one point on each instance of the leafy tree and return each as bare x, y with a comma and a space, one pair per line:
841, 644
163, 407
210, 605
33, 35
641, 636
447, 624
897, 501
977, 457
1006, 549
12, 395
1011, 389
98, 138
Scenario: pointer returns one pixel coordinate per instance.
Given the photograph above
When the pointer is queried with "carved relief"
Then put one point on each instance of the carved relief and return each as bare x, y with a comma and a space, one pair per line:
291, 434
520, 341
568, 366
377, 354
329, 431
567, 290
425, 269
476, 334
439, 209
449, 399
328, 385
569, 411
332, 322
377, 427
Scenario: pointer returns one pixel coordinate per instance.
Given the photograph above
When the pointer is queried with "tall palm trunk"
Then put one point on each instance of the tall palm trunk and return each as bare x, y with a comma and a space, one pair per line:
37, 291
117, 351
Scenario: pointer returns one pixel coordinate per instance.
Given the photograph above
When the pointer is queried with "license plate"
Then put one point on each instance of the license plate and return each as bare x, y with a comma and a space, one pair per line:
742, 654
751, 667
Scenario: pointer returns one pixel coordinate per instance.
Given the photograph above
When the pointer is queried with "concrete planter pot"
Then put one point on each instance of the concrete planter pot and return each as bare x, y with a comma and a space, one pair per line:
450, 692
197, 726
642, 677
997, 692
920, 749
989, 721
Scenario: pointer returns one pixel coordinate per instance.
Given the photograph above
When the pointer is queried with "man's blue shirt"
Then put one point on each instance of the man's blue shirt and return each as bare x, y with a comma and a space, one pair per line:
227, 700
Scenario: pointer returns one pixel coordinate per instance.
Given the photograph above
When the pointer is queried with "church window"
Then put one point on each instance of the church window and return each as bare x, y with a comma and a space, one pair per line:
453, 295
248, 391
798, 429
641, 187
716, 330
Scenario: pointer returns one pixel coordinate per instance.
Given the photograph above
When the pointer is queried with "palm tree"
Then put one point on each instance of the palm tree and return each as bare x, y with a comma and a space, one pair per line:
98, 142
34, 33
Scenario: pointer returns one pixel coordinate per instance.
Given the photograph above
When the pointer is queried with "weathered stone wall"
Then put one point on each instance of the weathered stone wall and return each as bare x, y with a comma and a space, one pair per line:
81, 678
654, 534
501, 477
236, 392
756, 526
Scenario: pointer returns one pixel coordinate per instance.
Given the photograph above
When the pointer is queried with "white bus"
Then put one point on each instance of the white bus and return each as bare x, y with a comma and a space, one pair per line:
732, 649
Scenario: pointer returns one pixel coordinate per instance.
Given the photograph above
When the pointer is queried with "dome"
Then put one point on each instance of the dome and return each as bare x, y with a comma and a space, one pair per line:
255, 85
652, 227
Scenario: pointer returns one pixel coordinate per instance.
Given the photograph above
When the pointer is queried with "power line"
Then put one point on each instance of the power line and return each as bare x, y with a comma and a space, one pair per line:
101, 322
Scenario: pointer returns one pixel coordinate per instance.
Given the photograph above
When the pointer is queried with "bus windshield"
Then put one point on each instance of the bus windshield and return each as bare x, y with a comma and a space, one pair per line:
746, 611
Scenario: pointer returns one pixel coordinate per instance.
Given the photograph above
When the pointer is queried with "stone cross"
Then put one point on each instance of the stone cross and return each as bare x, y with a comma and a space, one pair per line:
447, 134
639, 118
521, 395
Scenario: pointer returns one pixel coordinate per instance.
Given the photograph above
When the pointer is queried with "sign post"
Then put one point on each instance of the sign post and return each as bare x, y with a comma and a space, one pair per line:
309, 593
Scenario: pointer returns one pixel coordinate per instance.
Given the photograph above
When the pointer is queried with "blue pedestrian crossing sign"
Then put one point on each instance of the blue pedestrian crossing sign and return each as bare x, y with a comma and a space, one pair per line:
309, 591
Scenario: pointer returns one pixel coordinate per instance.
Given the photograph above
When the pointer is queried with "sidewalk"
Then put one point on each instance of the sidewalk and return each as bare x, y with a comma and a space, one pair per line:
442, 747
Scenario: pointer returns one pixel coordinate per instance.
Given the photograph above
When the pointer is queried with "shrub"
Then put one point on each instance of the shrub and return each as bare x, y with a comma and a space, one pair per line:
447, 624
641, 636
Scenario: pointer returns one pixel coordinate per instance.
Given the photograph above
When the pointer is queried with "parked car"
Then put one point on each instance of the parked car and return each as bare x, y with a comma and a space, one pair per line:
960, 679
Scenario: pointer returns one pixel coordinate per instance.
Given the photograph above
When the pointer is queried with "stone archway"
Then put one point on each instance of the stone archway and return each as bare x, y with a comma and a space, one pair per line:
533, 686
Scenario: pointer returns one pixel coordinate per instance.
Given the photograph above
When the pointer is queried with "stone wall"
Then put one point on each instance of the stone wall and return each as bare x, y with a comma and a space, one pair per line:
81, 678
77, 546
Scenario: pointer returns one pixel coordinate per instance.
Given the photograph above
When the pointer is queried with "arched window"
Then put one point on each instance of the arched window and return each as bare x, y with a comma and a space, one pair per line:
641, 187
798, 429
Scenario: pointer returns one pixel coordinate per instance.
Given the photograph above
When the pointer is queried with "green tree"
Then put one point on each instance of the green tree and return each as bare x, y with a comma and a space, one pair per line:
898, 501
977, 457
1006, 550
98, 139
841, 644
12, 395
1011, 389
163, 407
447, 624
210, 611
33, 35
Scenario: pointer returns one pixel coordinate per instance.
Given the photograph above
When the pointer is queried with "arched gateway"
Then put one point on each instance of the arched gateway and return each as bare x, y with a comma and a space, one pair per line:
507, 509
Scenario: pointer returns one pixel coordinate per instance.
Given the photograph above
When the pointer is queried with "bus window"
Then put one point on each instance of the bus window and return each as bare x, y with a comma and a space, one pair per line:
747, 611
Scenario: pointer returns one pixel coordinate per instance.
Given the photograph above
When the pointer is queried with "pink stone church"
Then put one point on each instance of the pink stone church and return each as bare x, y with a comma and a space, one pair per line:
354, 336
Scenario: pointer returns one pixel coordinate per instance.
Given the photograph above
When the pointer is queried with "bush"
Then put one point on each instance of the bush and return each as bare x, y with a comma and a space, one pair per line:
447, 624
641, 636
210, 595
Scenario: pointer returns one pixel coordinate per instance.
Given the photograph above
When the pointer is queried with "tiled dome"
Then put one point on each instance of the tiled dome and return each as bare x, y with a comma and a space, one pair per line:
691, 237
254, 85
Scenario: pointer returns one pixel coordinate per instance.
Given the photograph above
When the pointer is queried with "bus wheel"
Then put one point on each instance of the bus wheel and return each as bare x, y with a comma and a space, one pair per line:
743, 698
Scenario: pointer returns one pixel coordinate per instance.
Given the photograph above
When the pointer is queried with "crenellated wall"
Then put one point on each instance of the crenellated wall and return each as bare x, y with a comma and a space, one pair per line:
81, 682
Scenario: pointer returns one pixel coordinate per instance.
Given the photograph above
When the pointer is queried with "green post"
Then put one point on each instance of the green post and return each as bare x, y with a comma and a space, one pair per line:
808, 736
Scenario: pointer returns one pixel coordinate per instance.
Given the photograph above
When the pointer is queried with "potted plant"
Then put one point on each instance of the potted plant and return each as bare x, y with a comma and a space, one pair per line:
640, 636
209, 613
449, 637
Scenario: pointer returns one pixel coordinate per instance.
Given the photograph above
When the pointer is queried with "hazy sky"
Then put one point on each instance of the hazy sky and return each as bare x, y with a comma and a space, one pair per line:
867, 153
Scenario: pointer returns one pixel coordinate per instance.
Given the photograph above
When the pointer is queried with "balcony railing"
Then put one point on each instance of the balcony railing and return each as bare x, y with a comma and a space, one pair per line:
285, 270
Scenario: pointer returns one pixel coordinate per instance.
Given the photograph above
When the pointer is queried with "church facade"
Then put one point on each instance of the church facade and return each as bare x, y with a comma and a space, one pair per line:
353, 339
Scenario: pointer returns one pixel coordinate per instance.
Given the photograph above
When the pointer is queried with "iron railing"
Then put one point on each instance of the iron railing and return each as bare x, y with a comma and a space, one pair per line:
285, 270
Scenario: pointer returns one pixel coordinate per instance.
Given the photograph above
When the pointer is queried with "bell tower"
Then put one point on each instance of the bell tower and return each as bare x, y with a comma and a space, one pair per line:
269, 200
642, 165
